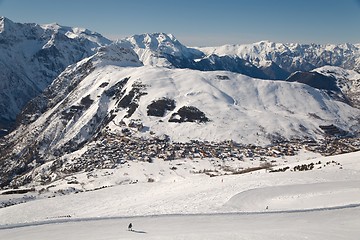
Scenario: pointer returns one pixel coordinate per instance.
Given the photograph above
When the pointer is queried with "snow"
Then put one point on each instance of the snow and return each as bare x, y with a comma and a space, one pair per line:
174, 199
327, 225
302, 196
317, 204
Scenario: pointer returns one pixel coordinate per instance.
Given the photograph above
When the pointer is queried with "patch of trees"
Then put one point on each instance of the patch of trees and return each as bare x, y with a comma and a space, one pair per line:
19, 191
280, 169
304, 167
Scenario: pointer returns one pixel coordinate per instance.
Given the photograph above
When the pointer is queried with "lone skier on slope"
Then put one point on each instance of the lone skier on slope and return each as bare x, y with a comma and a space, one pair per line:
130, 227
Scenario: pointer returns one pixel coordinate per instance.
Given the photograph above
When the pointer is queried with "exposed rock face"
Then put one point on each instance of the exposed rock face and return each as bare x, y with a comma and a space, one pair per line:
159, 107
188, 114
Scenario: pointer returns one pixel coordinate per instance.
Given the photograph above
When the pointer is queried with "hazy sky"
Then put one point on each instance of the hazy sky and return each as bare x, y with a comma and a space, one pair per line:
201, 22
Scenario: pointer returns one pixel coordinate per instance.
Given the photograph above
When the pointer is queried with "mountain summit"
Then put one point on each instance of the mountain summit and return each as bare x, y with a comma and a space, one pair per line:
160, 49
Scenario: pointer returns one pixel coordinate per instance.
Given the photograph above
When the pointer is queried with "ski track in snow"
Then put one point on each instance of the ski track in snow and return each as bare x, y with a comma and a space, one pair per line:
67, 220
329, 225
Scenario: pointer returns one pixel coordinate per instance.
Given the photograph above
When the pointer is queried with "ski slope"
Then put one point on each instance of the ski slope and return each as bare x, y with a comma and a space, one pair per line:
323, 203
336, 224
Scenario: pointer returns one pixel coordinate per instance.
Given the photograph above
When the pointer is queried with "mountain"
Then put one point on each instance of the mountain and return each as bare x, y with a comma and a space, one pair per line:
293, 57
265, 60
164, 50
32, 56
110, 99
84, 103
160, 49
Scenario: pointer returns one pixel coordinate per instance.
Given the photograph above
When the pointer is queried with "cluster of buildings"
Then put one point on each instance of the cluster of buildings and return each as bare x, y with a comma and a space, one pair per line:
112, 149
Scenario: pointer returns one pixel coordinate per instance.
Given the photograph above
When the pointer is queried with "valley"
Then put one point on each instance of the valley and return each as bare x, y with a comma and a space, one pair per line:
250, 141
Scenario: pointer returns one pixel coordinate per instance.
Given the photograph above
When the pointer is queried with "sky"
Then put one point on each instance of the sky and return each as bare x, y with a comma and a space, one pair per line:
201, 22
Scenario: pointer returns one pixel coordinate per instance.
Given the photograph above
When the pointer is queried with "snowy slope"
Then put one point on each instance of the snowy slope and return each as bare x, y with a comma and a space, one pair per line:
339, 73
319, 204
32, 56
239, 108
322, 225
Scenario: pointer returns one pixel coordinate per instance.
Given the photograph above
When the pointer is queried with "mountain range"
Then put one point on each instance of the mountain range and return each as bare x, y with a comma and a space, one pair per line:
66, 90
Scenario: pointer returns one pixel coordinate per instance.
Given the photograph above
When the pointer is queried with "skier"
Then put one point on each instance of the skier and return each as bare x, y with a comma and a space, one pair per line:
130, 227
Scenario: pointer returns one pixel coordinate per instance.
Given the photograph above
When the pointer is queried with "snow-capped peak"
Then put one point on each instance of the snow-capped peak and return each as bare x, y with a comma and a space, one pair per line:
158, 42
8, 27
76, 32
156, 48
51, 26
5, 24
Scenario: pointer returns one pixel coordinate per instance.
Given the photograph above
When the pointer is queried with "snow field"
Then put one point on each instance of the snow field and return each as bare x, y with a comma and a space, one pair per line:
317, 204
